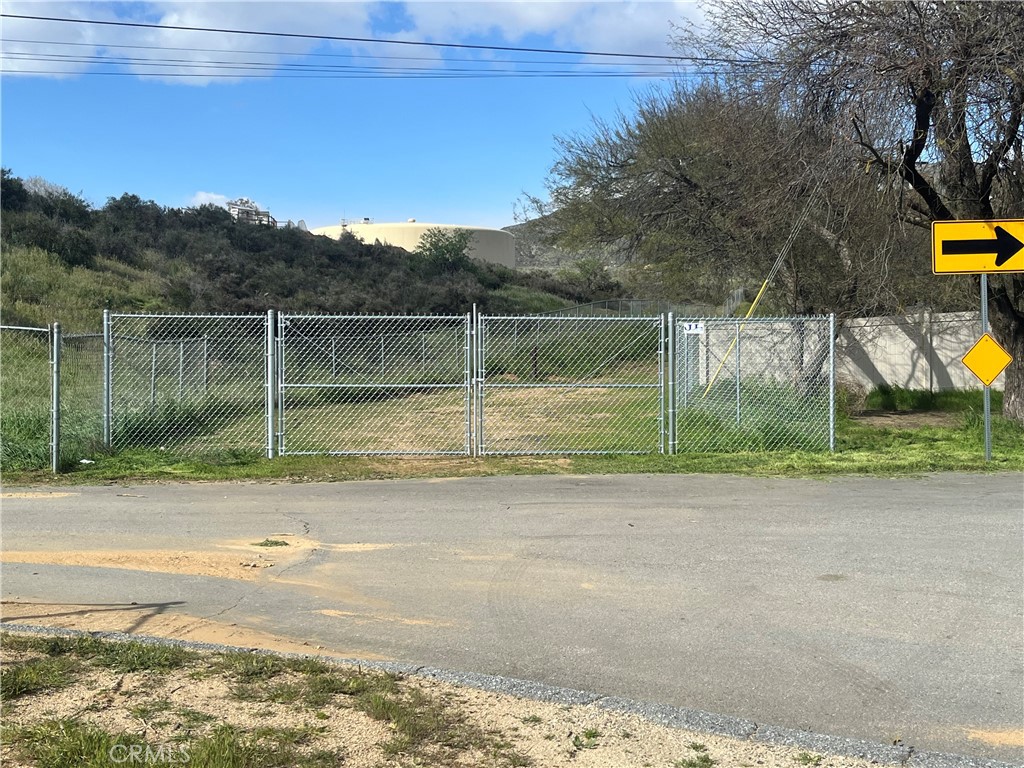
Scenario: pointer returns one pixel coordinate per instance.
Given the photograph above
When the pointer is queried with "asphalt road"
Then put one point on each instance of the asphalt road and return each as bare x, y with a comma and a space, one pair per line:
885, 610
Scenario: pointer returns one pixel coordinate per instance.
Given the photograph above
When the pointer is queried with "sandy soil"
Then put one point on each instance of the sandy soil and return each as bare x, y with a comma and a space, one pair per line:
142, 620
550, 735
227, 560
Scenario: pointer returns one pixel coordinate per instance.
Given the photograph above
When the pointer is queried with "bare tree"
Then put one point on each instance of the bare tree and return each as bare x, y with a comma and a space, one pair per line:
930, 93
706, 186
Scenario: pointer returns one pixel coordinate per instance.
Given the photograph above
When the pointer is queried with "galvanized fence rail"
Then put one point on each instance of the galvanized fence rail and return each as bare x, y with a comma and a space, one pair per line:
570, 385
373, 385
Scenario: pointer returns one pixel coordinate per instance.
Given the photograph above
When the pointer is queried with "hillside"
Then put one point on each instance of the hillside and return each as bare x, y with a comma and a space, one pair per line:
536, 249
64, 260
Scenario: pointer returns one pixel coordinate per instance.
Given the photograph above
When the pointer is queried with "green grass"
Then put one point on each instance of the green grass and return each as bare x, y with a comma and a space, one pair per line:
271, 543
426, 729
702, 760
887, 398
25, 400
25, 677
69, 743
861, 449
118, 656
808, 758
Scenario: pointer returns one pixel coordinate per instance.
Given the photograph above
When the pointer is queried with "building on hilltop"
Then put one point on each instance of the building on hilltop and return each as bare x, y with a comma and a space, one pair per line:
245, 210
491, 245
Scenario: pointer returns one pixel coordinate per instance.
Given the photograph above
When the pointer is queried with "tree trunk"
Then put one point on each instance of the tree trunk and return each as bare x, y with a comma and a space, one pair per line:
1010, 335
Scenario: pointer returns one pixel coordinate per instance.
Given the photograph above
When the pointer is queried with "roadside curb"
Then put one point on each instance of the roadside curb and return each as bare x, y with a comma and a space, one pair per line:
661, 714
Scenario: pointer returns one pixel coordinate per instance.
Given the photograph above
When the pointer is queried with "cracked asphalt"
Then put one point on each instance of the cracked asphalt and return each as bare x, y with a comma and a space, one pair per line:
890, 611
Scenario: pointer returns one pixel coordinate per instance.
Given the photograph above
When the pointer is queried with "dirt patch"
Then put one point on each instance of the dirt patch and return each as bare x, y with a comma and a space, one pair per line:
154, 620
241, 559
184, 705
1013, 738
909, 419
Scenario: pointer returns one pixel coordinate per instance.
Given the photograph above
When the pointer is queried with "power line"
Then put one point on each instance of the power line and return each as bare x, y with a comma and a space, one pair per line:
339, 38
339, 76
112, 46
246, 66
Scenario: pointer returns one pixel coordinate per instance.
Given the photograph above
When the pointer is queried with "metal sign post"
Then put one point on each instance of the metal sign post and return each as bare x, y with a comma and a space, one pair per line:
988, 391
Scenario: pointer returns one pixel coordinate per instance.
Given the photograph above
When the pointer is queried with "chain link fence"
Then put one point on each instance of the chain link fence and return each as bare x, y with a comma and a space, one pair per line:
81, 396
25, 397
374, 384
187, 382
51, 397
750, 385
570, 385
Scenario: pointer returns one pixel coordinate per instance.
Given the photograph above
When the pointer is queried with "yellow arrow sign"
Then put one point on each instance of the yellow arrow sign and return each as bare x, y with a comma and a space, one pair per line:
973, 247
987, 359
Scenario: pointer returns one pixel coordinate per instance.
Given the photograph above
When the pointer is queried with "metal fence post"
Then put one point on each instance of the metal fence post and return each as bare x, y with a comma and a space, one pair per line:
738, 411
108, 353
480, 374
686, 368
279, 347
271, 381
671, 383
55, 399
832, 383
467, 379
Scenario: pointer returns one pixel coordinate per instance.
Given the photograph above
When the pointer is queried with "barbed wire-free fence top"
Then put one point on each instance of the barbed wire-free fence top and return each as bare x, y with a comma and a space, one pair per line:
467, 385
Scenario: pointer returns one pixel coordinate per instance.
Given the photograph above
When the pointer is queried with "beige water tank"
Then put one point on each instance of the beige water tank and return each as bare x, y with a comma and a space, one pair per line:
492, 245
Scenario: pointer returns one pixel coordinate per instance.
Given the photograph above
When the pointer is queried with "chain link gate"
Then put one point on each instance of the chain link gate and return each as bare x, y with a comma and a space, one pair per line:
466, 384
373, 385
188, 382
752, 385
570, 385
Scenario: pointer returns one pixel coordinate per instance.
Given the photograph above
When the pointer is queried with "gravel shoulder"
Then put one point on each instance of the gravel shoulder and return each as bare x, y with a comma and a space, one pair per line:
187, 704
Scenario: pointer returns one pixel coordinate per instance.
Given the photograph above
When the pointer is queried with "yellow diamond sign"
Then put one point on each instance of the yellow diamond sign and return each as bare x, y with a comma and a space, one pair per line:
987, 359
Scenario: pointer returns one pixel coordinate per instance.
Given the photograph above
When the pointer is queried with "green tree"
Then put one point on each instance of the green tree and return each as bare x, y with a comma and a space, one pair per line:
706, 189
445, 250
13, 195
930, 94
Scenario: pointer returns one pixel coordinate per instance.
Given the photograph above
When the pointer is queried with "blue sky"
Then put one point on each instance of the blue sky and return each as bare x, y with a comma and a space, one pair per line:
460, 151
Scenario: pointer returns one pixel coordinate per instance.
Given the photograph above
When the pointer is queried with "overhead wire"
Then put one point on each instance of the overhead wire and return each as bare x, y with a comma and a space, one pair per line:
224, 64
315, 54
345, 39
661, 66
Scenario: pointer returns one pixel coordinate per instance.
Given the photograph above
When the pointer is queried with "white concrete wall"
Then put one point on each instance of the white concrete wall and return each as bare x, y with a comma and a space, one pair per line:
923, 351
492, 245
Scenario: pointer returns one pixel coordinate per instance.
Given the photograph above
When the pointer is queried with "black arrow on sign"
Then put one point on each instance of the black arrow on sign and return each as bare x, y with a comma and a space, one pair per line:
1005, 247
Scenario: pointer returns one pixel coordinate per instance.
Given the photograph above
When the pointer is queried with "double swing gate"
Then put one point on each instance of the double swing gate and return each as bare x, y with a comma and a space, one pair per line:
290, 384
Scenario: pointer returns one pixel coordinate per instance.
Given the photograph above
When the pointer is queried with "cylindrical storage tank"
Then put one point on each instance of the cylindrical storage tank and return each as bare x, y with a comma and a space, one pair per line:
492, 245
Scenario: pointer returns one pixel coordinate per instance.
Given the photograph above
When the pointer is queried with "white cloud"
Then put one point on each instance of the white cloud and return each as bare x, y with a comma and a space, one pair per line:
608, 25
208, 198
615, 26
